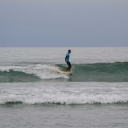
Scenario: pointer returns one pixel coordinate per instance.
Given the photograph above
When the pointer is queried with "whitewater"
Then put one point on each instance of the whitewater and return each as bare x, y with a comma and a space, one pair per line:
64, 93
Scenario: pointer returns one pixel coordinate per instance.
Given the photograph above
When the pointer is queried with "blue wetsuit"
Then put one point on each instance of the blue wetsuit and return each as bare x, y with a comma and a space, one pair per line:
67, 57
67, 61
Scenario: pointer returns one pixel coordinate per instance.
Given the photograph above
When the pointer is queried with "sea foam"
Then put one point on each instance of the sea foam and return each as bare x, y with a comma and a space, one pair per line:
41, 71
64, 93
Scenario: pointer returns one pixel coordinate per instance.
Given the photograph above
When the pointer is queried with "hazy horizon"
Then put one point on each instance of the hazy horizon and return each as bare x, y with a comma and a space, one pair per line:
69, 23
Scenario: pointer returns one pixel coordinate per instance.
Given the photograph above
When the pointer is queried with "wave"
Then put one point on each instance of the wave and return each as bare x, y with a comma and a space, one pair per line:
64, 93
99, 72
29, 73
65, 99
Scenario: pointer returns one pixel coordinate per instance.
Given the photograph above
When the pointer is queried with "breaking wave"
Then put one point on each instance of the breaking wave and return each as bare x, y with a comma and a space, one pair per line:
29, 73
98, 72
64, 99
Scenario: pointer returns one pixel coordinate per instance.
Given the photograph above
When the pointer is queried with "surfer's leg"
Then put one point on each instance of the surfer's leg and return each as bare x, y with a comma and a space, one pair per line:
69, 66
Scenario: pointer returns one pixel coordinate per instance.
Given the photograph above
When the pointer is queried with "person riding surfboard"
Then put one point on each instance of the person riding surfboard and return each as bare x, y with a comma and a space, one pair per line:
67, 60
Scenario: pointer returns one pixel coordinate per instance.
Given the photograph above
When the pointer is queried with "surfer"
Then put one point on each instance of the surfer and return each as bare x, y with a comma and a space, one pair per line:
67, 60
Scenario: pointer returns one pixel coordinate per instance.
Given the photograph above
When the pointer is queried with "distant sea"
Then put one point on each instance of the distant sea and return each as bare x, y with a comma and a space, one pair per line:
33, 94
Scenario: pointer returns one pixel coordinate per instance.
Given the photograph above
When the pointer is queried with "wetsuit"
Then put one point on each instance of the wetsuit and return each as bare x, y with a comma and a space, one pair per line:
68, 62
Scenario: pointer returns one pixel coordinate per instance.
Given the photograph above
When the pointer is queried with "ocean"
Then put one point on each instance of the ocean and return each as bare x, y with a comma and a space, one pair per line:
33, 94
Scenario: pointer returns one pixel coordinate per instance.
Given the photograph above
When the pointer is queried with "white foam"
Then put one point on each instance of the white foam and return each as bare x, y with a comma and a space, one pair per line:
42, 71
64, 93
65, 99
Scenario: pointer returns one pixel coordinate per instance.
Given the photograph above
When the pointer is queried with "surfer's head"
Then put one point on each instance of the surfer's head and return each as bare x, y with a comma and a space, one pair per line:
69, 51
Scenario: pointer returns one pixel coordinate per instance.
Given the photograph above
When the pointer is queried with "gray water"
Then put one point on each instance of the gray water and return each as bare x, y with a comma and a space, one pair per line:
64, 116
33, 94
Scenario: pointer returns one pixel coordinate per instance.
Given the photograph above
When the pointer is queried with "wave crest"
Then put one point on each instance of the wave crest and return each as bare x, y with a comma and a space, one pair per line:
41, 71
65, 99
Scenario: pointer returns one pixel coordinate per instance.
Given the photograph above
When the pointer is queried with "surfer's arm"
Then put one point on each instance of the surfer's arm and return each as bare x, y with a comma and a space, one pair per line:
67, 56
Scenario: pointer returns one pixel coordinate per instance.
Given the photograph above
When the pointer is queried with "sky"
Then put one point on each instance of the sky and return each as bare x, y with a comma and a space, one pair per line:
63, 23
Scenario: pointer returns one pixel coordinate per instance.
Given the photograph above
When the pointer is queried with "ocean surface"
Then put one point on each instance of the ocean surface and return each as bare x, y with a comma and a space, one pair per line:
33, 94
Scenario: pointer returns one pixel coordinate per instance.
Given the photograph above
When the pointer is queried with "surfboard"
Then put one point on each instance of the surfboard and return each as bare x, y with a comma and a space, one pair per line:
65, 72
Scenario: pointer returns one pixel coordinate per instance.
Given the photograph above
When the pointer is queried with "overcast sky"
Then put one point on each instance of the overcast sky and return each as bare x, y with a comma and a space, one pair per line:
42, 23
